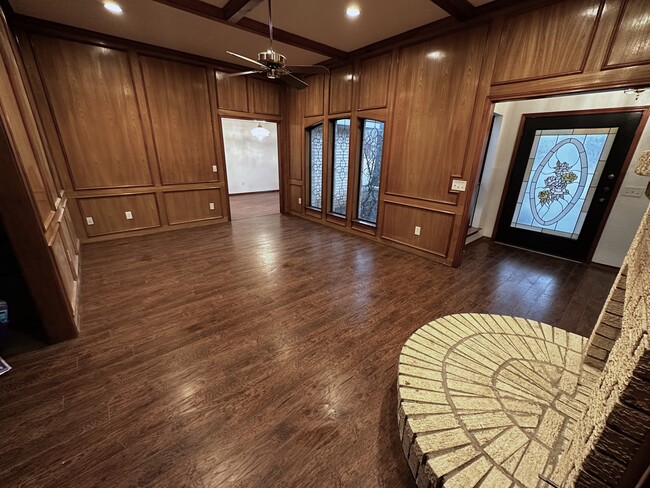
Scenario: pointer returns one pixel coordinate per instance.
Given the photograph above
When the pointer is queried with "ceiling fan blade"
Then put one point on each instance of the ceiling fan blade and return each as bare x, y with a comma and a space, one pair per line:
241, 73
294, 82
246, 59
309, 70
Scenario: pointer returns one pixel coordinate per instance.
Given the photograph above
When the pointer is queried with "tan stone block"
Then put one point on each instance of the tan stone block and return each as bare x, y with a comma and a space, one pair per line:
496, 479
550, 427
462, 373
560, 337
568, 382
532, 464
469, 388
554, 354
416, 362
512, 462
476, 421
526, 420
410, 370
506, 444
413, 353
486, 436
416, 408
521, 406
422, 395
478, 404
575, 343
432, 423
440, 441
440, 465
420, 383
470, 475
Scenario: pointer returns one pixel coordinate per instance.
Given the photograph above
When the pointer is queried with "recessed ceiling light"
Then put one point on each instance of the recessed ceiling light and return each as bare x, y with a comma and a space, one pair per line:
113, 7
352, 11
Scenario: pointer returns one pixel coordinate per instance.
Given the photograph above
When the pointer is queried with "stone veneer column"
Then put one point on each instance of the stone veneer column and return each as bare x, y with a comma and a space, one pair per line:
611, 440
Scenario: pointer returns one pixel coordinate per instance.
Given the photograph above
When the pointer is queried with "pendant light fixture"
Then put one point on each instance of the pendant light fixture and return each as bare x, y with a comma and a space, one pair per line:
260, 132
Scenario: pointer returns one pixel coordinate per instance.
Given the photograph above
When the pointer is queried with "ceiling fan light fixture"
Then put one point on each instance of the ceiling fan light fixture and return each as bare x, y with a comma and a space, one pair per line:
113, 7
260, 133
353, 11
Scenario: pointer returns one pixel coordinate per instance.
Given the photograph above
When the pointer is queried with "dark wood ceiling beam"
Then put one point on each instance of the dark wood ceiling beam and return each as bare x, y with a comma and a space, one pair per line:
217, 14
235, 10
459, 9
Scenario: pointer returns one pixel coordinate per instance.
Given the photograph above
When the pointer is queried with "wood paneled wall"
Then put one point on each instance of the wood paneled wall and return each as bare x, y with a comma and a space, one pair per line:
33, 204
436, 98
136, 135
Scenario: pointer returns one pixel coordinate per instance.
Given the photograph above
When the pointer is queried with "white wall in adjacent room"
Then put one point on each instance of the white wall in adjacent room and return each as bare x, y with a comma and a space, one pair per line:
252, 165
626, 213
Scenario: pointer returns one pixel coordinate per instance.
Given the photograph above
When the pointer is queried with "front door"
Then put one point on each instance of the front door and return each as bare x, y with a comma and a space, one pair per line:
564, 174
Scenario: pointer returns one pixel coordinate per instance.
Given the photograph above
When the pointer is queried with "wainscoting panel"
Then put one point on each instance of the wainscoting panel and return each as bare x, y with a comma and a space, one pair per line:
193, 205
109, 213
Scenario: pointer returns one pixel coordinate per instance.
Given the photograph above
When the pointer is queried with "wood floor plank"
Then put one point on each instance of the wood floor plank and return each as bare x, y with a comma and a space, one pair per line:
259, 353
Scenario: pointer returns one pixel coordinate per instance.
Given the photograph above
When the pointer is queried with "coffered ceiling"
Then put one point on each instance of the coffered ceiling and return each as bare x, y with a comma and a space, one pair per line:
309, 31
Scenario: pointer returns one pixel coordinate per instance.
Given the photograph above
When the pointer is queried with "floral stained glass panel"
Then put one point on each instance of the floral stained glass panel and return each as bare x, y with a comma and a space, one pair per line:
564, 167
341, 156
316, 166
371, 151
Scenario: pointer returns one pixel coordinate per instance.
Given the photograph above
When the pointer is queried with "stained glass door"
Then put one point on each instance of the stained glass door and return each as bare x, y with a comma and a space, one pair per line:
564, 174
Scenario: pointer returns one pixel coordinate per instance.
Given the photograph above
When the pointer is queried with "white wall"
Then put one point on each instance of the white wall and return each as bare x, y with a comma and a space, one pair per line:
252, 165
626, 214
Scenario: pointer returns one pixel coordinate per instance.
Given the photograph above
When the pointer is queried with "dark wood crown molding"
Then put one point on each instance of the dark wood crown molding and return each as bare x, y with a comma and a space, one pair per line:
459, 9
197, 7
235, 10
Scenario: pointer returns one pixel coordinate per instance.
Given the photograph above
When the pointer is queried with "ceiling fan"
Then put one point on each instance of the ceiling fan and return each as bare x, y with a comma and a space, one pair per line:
274, 65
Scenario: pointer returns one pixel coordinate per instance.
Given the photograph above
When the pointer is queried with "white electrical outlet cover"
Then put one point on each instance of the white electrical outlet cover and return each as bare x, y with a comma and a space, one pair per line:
299, 201
211, 206
214, 168
417, 230
458, 185
633, 191
90, 221
129, 215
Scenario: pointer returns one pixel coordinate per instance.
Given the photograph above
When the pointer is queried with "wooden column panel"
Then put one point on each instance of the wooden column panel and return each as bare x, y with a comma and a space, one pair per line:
296, 132
108, 213
60, 253
435, 228
266, 97
314, 95
341, 81
374, 74
548, 41
436, 87
631, 41
296, 198
179, 104
91, 92
232, 94
193, 205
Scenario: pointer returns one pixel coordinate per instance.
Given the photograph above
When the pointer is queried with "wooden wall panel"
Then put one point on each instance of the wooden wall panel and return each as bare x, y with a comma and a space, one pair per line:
193, 205
60, 253
631, 41
543, 42
341, 90
266, 97
108, 213
93, 101
296, 133
179, 105
314, 95
232, 93
374, 74
435, 228
295, 203
436, 87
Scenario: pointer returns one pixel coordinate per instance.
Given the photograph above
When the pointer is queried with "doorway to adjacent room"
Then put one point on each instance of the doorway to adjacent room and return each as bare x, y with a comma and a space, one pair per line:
251, 149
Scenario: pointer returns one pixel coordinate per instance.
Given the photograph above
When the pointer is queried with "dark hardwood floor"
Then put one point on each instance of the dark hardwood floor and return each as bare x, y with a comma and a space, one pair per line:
257, 353
254, 204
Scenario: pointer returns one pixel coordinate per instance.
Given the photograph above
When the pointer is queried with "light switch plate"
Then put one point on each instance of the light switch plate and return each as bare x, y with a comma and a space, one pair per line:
458, 185
417, 230
214, 168
633, 191
299, 201
90, 221
211, 206
129, 215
